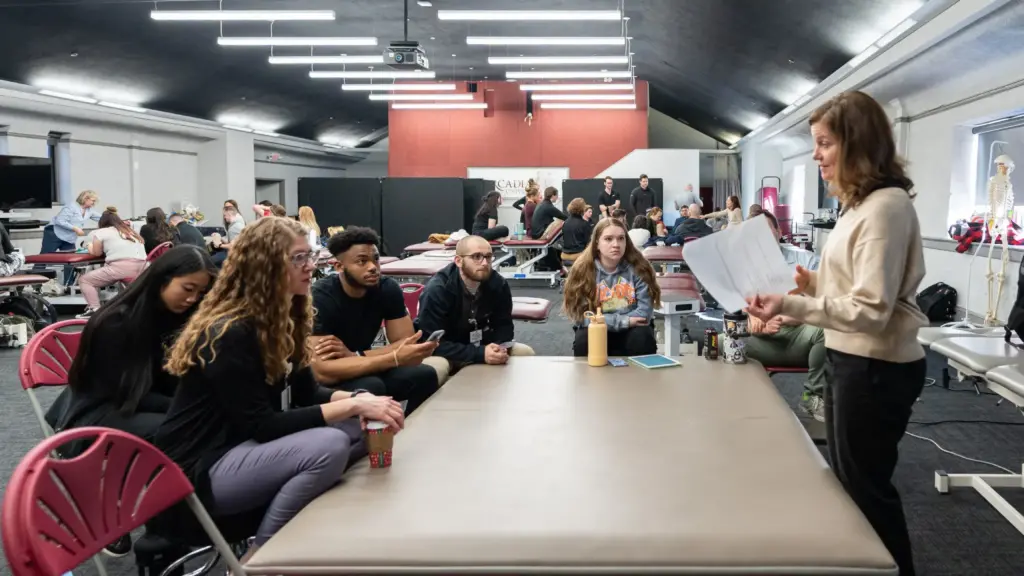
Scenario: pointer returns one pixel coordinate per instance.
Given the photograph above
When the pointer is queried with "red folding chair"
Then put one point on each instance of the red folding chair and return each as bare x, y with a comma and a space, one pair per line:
412, 292
159, 251
46, 361
59, 513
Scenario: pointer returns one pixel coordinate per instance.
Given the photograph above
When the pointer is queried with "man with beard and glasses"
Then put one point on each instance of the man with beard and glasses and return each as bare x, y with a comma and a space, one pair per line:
474, 308
350, 308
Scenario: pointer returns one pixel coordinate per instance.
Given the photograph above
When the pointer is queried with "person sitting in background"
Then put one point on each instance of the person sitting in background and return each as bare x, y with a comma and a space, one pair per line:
641, 231
68, 225
609, 200
262, 208
124, 258
238, 355
785, 342
156, 230
350, 308
234, 224
308, 219
11, 258
620, 215
642, 197
693, 226
733, 213
278, 211
186, 233
546, 213
331, 231
474, 308
755, 210
232, 204
656, 217
576, 231
527, 203
485, 223
613, 276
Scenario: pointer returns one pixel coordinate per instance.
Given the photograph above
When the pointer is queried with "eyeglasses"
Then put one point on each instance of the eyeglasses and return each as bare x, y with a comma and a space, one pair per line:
303, 258
479, 257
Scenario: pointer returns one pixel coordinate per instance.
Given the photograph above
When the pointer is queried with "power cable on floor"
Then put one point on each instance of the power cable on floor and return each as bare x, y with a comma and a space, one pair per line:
961, 456
955, 421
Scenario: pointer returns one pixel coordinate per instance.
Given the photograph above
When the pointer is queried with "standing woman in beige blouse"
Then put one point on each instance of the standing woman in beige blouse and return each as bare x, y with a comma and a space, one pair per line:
863, 296
732, 212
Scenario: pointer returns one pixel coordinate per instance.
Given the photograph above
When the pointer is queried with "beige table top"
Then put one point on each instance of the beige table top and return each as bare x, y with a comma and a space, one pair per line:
547, 465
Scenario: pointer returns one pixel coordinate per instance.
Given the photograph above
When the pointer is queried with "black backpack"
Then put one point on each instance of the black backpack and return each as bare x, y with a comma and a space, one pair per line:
31, 306
938, 302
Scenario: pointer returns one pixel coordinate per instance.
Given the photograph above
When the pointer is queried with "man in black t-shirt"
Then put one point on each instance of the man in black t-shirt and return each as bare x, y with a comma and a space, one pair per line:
642, 198
609, 200
350, 308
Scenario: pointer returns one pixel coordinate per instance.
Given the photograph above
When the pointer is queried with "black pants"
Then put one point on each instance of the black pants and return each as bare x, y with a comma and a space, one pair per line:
491, 234
867, 405
413, 384
635, 341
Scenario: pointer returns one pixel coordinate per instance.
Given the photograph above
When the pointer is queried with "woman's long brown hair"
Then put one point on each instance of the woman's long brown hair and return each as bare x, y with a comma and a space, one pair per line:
110, 219
581, 285
867, 157
252, 286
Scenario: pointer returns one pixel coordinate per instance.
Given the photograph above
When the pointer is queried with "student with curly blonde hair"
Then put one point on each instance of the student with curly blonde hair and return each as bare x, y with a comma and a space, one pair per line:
236, 358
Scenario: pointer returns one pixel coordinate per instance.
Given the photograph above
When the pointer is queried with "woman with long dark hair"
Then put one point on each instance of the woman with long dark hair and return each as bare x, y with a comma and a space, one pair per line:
124, 253
864, 296
733, 212
156, 230
485, 223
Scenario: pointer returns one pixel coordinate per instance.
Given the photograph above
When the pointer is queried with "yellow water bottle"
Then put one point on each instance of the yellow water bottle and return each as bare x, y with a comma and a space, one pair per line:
597, 339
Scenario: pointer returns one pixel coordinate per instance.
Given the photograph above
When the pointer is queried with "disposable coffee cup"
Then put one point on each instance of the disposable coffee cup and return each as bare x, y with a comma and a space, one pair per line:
380, 439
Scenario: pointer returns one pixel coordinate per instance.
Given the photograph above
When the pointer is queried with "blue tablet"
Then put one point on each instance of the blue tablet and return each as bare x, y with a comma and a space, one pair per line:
653, 361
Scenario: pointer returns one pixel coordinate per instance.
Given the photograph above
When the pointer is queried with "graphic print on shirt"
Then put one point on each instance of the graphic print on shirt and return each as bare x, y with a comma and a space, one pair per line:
618, 297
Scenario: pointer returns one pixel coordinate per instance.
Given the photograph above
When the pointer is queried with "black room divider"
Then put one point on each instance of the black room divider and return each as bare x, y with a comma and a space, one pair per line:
590, 190
414, 208
343, 201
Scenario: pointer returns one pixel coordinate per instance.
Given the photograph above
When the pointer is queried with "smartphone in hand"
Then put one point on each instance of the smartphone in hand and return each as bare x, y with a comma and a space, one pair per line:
507, 345
436, 336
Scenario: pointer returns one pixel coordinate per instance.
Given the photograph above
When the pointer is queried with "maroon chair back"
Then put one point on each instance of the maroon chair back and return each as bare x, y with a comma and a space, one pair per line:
159, 251
46, 360
412, 292
59, 513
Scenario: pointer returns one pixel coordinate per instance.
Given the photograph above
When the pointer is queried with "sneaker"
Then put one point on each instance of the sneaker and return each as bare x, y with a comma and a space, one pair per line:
814, 406
120, 547
85, 315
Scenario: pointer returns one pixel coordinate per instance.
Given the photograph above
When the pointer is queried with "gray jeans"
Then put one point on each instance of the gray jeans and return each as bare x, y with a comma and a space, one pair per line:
287, 473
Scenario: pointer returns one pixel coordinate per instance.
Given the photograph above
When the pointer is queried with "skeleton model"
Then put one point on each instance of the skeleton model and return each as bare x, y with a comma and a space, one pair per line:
1000, 210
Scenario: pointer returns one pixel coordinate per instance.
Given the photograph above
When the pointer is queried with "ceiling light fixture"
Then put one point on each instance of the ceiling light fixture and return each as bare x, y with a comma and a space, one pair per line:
368, 74
75, 97
529, 15
577, 106
545, 60
788, 109
860, 58
326, 59
896, 32
386, 97
127, 107
396, 87
466, 106
570, 75
577, 87
589, 97
295, 41
802, 100
241, 15
266, 133
239, 128
547, 41
334, 146
425, 3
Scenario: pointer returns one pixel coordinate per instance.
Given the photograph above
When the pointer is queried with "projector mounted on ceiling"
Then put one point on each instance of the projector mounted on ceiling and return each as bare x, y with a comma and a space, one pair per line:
406, 55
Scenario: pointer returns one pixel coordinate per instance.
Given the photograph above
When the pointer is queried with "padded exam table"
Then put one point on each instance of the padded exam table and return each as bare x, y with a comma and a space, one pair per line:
549, 466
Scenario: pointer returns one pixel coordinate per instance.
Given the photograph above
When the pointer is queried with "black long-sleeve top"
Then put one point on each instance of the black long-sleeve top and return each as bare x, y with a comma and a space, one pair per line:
227, 402
543, 216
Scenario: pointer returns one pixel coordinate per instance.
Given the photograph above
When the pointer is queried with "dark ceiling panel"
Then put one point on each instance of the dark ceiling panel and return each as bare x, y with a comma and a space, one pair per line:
716, 64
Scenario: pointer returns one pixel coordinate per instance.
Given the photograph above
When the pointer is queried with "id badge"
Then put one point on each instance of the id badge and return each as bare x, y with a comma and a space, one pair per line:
476, 337
286, 398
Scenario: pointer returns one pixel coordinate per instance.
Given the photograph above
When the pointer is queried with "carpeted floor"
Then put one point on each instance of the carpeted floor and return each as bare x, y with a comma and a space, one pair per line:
953, 535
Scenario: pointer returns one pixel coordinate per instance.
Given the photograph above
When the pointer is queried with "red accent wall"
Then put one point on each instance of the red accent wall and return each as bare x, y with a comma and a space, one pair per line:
443, 143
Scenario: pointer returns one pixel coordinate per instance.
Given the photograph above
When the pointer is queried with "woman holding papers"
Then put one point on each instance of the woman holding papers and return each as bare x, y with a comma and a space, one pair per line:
863, 296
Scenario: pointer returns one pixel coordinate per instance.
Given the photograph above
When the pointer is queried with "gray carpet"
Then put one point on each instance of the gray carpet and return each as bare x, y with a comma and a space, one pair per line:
953, 535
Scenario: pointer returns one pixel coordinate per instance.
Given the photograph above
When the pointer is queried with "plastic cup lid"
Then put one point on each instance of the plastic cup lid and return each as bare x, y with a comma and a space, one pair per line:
375, 425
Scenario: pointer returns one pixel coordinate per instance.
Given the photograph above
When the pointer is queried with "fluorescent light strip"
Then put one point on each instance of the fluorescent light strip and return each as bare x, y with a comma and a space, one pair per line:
466, 106
577, 106
241, 15
326, 59
802, 100
295, 41
395, 87
788, 109
546, 60
860, 58
895, 32
266, 133
74, 97
366, 75
239, 128
546, 41
387, 97
120, 106
577, 87
590, 97
570, 75
334, 146
529, 15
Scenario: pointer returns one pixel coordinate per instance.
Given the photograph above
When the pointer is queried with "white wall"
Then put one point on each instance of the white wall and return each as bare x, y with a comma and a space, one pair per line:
800, 185
676, 168
663, 131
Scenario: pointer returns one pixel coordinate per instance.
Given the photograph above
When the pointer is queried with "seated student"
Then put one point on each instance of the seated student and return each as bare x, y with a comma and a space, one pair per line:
156, 230
485, 223
11, 258
187, 233
350, 307
308, 219
527, 203
262, 209
474, 308
656, 217
278, 211
620, 215
234, 224
546, 213
576, 230
613, 276
240, 353
755, 210
641, 231
691, 226
784, 342
125, 258
733, 212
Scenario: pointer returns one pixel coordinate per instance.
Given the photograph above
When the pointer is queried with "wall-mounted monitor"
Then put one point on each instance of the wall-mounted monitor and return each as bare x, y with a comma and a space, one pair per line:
25, 183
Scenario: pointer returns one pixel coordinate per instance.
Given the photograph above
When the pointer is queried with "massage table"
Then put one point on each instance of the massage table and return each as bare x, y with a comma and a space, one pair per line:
64, 263
415, 268
533, 251
549, 466
531, 309
422, 247
19, 282
670, 256
930, 335
680, 297
973, 357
